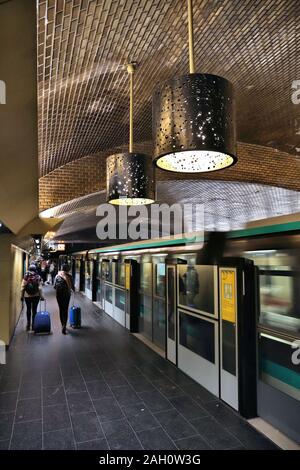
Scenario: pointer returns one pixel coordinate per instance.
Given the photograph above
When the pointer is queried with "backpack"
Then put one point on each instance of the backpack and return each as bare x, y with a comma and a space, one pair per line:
32, 285
61, 285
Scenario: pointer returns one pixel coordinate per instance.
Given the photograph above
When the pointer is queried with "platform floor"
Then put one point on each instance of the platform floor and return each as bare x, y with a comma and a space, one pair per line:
101, 388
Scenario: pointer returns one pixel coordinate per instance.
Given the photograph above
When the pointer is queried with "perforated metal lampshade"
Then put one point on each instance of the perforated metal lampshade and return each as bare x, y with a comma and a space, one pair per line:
129, 179
194, 124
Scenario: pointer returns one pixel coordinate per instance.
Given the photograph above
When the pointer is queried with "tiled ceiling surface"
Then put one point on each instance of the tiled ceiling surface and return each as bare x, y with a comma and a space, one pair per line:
227, 206
83, 84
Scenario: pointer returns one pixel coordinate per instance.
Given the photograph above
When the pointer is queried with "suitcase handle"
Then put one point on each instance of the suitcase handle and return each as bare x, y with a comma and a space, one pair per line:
45, 304
73, 298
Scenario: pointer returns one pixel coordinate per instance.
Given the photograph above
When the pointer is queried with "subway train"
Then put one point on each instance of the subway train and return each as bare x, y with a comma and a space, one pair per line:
226, 311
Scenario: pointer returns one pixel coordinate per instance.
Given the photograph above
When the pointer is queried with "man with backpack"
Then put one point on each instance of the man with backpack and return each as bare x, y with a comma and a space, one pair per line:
64, 286
31, 291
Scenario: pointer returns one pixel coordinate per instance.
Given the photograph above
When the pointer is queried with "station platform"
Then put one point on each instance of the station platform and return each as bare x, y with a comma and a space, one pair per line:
101, 388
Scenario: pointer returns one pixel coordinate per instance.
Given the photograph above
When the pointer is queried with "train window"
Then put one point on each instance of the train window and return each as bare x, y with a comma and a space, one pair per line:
120, 274
108, 293
107, 270
160, 276
146, 278
197, 335
120, 299
196, 288
280, 299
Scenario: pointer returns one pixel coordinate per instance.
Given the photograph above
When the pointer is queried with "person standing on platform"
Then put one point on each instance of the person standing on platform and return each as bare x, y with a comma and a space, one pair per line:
31, 291
64, 286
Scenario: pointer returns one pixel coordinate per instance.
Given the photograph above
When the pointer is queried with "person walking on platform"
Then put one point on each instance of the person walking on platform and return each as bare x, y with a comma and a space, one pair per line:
31, 291
52, 271
64, 286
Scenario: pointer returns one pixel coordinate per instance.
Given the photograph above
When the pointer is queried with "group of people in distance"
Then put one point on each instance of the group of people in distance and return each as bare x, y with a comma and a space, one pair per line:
32, 291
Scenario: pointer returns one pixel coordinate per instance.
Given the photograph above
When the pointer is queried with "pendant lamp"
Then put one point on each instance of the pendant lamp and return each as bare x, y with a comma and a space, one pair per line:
130, 175
194, 120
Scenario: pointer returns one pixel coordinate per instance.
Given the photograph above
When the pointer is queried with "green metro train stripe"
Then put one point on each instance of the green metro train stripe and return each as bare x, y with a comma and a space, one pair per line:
282, 373
249, 232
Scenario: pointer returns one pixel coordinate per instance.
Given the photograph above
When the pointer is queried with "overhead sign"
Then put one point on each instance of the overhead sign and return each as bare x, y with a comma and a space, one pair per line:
61, 247
228, 294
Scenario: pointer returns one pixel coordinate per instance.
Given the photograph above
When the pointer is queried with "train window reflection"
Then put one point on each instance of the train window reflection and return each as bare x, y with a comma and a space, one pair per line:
279, 299
196, 287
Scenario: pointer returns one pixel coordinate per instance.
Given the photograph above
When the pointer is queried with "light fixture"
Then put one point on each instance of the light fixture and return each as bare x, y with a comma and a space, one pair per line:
130, 175
193, 120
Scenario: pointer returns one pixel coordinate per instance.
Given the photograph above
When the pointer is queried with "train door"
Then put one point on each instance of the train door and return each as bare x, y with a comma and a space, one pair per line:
88, 278
159, 306
198, 326
145, 295
132, 295
119, 293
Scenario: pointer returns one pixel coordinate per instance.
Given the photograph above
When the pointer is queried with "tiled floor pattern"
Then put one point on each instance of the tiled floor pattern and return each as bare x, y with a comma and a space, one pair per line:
101, 388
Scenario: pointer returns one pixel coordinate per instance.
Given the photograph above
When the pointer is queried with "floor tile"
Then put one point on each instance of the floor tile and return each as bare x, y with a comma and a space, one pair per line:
91, 373
98, 444
108, 409
198, 393
29, 410
59, 440
155, 401
86, 427
8, 401
27, 436
30, 389
79, 403
131, 371
55, 417
192, 443
125, 395
188, 407
120, 436
6, 423
51, 379
98, 389
74, 384
140, 383
151, 372
4, 445
70, 371
139, 417
174, 424
114, 379
54, 396
215, 434
167, 388
156, 439
9, 384
223, 414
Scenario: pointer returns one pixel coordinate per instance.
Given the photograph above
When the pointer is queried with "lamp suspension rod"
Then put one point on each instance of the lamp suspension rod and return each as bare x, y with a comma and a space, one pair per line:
130, 70
191, 36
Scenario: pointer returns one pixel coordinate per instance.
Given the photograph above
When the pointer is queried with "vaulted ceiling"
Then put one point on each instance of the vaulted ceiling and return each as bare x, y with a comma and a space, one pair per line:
83, 46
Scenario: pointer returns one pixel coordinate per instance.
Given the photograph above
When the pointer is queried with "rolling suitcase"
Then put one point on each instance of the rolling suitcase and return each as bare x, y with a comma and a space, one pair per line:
75, 316
42, 321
